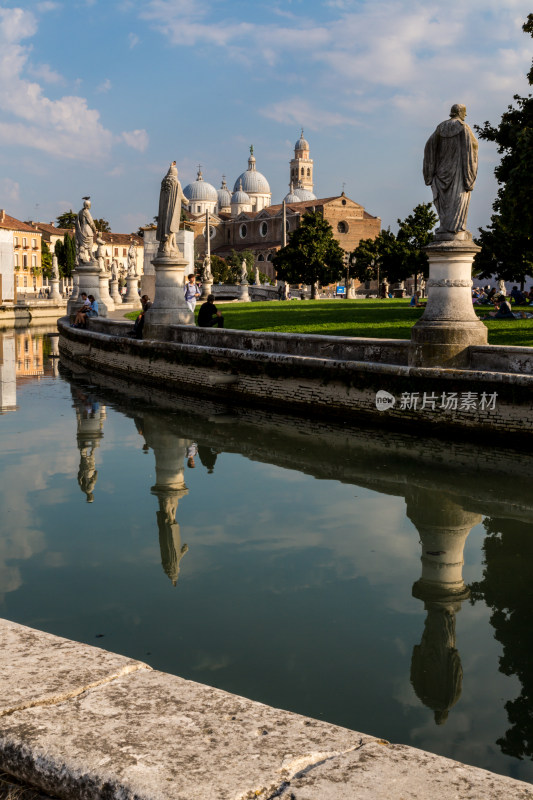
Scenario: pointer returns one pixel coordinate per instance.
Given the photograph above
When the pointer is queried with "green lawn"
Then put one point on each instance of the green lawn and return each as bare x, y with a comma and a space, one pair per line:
382, 319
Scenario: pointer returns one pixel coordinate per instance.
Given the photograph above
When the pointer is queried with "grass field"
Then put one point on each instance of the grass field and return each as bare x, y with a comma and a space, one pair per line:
382, 319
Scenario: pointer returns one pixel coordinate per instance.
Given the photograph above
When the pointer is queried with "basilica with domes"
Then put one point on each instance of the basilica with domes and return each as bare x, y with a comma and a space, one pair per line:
246, 220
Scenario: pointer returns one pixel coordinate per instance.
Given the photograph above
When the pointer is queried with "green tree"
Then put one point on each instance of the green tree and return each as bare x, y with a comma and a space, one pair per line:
234, 263
46, 259
220, 269
67, 219
414, 234
507, 243
66, 255
507, 589
312, 254
102, 225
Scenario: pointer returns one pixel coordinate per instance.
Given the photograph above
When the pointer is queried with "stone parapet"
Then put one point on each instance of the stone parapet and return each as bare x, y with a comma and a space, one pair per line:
81, 723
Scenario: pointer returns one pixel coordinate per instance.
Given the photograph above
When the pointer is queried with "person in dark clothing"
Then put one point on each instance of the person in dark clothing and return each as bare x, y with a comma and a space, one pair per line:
504, 311
209, 316
518, 297
138, 325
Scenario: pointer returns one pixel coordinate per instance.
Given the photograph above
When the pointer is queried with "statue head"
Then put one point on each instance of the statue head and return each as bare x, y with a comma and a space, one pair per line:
458, 110
86, 202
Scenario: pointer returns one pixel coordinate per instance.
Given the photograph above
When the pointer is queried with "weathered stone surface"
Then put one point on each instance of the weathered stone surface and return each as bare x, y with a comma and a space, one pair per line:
382, 771
152, 735
39, 669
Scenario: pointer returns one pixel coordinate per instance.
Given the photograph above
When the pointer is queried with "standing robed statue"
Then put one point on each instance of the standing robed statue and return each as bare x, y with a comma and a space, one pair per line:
168, 218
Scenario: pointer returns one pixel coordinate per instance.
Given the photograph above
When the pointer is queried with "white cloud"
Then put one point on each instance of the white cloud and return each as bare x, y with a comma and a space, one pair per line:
137, 139
133, 40
297, 111
47, 5
45, 73
105, 86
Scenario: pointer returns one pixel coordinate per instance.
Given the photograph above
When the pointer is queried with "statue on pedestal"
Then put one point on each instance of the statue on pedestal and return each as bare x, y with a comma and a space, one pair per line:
100, 252
207, 275
85, 232
114, 270
244, 271
55, 268
168, 219
132, 260
450, 168
257, 278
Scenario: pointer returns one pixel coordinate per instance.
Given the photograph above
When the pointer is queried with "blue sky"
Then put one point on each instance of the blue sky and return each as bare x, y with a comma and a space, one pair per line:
98, 97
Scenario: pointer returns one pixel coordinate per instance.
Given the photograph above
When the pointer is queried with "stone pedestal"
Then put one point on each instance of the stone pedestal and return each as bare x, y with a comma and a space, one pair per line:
104, 291
88, 275
436, 672
449, 324
132, 291
245, 295
207, 288
54, 345
54, 293
115, 295
398, 290
75, 291
169, 306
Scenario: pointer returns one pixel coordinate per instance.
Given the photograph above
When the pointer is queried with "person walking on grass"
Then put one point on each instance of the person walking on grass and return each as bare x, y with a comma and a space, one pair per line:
191, 292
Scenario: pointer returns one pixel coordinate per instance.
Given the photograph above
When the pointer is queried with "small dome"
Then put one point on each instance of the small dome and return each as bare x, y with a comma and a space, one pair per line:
304, 194
224, 196
252, 180
239, 197
200, 190
291, 197
302, 144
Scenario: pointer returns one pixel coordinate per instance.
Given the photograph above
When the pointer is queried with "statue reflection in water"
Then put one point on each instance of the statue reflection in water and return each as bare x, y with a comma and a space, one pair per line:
436, 671
170, 451
90, 416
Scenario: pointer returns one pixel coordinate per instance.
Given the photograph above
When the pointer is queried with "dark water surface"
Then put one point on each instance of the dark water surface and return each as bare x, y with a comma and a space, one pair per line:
276, 558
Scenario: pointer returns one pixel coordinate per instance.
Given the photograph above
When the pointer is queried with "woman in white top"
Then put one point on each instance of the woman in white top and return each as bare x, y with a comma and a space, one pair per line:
191, 292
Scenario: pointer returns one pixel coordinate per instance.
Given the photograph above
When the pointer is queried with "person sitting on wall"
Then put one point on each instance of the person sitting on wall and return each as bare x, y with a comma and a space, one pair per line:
138, 325
80, 318
209, 316
93, 310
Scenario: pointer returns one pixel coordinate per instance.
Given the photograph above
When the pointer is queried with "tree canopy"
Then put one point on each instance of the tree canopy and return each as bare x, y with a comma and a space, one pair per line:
46, 259
67, 219
399, 256
102, 225
312, 254
66, 255
507, 243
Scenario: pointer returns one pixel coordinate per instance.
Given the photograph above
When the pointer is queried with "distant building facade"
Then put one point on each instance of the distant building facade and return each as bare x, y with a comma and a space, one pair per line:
20, 258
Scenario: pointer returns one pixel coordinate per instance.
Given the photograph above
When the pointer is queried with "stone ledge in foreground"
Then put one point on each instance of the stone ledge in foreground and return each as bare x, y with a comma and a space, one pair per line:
38, 668
147, 735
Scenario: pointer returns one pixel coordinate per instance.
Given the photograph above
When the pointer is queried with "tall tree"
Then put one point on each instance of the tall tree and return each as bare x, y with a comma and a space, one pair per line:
312, 254
46, 259
102, 225
66, 255
67, 219
507, 243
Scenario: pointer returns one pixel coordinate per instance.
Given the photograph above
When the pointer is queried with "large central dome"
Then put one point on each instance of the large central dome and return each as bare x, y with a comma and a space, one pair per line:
253, 182
200, 190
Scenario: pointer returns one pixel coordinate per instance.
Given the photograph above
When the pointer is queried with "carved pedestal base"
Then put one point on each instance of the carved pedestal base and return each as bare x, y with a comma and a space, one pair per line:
449, 325
54, 290
245, 295
88, 275
207, 288
132, 291
169, 306
115, 294
104, 291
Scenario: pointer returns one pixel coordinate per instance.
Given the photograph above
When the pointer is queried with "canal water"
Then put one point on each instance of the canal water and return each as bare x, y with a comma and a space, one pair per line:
374, 580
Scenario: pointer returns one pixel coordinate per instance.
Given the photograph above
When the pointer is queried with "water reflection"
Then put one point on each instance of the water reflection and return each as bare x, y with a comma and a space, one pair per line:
8, 380
90, 417
170, 451
443, 525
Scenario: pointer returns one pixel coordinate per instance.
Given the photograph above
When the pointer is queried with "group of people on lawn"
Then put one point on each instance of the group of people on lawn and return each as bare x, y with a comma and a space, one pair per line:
489, 297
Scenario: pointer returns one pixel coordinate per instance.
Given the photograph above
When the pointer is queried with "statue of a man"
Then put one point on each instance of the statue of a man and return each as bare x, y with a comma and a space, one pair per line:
168, 219
85, 232
450, 168
207, 275
100, 252
114, 270
256, 276
132, 260
55, 268
244, 271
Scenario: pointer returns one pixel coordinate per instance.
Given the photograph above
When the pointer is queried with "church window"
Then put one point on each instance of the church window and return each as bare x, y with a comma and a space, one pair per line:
243, 231
263, 229
344, 202
308, 172
229, 235
269, 257
211, 232
260, 257
303, 171
198, 208
342, 227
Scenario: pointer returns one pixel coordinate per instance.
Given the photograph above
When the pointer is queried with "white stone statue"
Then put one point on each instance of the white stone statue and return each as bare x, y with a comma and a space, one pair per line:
85, 233
450, 168
207, 275
501, 287
132, 260
55, 268
168, 219
244, 271
256, 277
114, 270
100, 252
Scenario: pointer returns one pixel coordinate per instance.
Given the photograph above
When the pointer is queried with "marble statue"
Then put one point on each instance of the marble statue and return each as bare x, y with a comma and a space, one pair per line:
85, 233
207, 275
168, 219
501, 287
132, 260
244, 271
450, 168
55, 268
114, 270
100, 252
256, 277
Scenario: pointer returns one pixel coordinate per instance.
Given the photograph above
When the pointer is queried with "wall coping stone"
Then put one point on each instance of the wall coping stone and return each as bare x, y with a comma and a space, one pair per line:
147, 735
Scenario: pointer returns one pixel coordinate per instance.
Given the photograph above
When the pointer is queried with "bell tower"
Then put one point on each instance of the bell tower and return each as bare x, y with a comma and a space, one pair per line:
301, 169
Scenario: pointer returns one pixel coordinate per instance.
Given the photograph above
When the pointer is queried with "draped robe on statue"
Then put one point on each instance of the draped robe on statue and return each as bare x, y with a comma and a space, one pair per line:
450, 168
168, 218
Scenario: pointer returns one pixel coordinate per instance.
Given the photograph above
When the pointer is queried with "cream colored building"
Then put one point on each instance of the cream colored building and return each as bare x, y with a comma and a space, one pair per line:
21, 271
